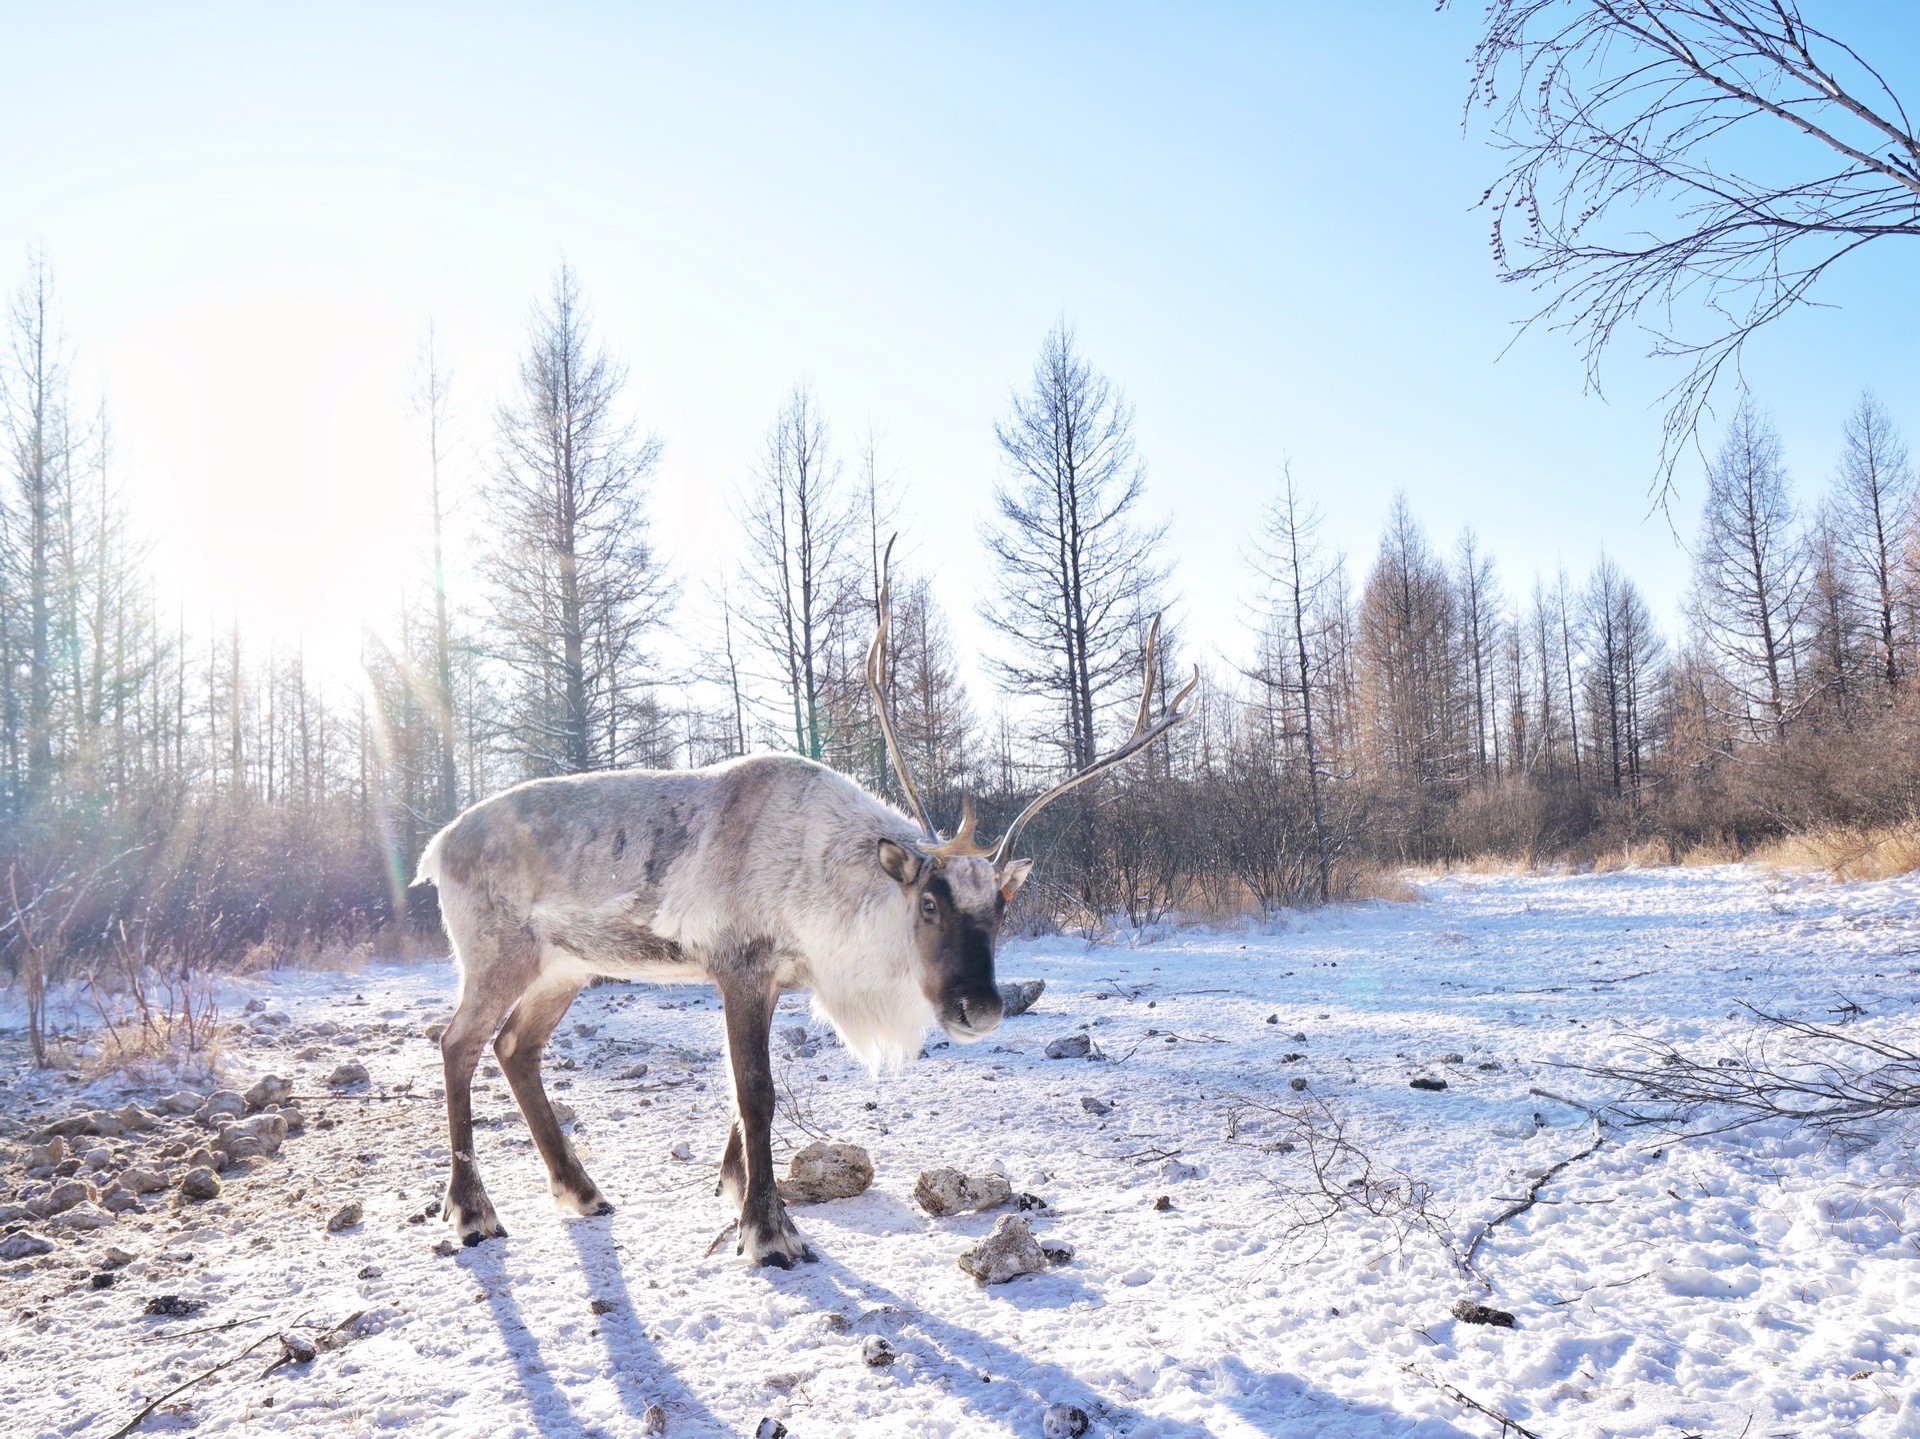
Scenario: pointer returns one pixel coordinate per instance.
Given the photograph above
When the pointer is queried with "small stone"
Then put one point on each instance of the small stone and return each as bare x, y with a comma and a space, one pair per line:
654, 1421
602, 1306
86, 1216
298, 1349
105, 1280
73, 1126
118, 1258
563, 1112
826, 1170
446, 1249
584, 1029
349, 1073
172, 1306
97, 1158
118, 1199
1488, 1066
221, 1104
1017, 996
1162, 1204
1467, 1312
1005, 1254
1297, 1083
1178, 1171
1725, 1063
1031, 1203
1300, 1036
877, 1352
65, 1195
1064, 1421
1431, 1085
200, 1183
1273, 1019
24, 1246
136, 1120
770, 1429
45, 1156
1057, 1251
271, 1090
1453, 1059
681, 1150
1070, 1046
634, 1071
1095, 1106
142, 1181
942, 1192
202, 1157
264, 1134
370, 1271
177, 1149
181, 1101
345, 1217
295, 1120
434, 1031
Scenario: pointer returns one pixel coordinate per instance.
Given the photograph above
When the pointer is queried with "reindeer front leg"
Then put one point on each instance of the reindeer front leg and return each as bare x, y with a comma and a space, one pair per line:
767, 1236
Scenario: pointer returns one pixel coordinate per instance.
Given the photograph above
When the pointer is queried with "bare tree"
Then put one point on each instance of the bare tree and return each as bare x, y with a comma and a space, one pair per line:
432, 382
1749, 567
797, 580
1690, 167
576, 584
1286, 558
34, 413
1872, 509
1077, 569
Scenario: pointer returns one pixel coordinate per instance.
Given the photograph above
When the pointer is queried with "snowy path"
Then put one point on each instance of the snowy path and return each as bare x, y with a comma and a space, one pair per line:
1759, 1284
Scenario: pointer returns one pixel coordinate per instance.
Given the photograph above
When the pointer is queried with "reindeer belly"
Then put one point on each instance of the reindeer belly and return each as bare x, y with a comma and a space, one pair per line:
610, 939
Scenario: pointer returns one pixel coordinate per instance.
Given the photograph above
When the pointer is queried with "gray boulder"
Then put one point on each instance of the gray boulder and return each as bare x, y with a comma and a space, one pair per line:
942, 1192
1005, 1254
1017, 996
826, 1170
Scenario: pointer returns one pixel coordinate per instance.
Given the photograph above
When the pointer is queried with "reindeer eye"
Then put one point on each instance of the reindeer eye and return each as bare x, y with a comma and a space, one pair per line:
928, 907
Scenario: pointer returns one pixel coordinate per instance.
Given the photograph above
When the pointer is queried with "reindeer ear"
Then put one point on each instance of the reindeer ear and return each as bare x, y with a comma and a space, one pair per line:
901, 864
1014, 874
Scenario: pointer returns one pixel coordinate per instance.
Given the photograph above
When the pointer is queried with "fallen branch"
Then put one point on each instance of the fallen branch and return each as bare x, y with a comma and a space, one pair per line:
135, 1422
1532, 1196
1460, 1397
1832, 1078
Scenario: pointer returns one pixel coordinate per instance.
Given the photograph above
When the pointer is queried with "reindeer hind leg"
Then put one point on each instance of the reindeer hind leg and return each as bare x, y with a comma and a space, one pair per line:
519, 1047
494, 974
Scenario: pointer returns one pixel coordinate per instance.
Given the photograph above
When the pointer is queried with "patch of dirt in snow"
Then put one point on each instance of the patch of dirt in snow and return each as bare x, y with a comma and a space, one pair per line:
1249, 1259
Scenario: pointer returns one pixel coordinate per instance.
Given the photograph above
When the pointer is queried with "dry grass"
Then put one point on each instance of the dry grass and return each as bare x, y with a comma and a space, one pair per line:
1366, 882
1845, 853
1647, 854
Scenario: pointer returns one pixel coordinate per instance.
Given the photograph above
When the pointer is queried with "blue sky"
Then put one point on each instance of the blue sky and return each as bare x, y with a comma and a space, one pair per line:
1259, 218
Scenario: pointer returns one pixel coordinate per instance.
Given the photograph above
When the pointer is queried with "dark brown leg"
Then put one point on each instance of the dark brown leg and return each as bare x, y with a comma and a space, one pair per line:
485, 996
767, 1236
519, 1046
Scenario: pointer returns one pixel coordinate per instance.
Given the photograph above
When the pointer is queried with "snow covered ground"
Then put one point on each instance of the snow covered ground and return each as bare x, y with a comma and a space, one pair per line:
1759, 1284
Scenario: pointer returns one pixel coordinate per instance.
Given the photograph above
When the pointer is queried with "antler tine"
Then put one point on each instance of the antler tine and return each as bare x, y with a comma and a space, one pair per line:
877, 682
963, 842
1145, 732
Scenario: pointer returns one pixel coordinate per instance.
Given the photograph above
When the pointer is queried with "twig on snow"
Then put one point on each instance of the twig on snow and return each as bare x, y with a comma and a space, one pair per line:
1460, 1397
135, 1422
1521, 1206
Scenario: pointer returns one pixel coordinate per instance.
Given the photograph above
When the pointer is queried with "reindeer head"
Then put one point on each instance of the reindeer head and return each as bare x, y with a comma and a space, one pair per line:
958, 889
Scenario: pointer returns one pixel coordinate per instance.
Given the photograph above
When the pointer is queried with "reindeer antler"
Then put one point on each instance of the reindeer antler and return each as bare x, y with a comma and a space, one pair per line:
964, 843
1145, 732
877, 682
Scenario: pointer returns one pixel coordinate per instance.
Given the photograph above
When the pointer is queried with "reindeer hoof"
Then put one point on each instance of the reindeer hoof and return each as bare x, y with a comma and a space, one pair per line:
477, 1237
602, 1209
775, 1260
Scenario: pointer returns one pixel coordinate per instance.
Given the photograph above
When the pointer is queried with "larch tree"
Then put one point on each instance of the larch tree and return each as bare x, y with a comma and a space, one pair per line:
1750, 569
1076, 565
1872, 512
577, 587
798, 584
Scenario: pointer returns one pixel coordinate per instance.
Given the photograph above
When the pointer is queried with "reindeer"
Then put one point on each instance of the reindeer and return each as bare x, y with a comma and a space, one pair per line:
758, 875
